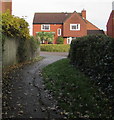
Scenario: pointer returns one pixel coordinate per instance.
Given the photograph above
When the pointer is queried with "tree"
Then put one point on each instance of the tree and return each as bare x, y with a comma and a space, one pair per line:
14, 26
45, 37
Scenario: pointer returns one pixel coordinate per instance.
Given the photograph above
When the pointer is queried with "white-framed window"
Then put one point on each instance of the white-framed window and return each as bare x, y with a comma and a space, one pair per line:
69, 39
45, 27
59, 32
75, 27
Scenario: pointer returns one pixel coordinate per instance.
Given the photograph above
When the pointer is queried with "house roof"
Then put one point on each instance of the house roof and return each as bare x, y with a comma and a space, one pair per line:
95, 32
59, 18
91, 26
51, 18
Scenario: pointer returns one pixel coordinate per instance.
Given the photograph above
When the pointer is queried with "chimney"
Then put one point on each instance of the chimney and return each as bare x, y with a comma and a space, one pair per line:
6, 4
113, 5
83, 14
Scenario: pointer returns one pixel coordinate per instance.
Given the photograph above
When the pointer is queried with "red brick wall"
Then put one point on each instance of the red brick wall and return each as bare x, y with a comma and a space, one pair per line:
74, 19
6, 6
65, 40
53, 28
110, 25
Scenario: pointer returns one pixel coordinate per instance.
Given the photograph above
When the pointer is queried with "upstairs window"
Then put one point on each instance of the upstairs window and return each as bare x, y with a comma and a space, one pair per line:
59, 31
75, 27
45, 27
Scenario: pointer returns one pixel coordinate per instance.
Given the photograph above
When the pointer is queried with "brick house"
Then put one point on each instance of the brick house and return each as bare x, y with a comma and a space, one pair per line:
6, 5
67, 25
110, 23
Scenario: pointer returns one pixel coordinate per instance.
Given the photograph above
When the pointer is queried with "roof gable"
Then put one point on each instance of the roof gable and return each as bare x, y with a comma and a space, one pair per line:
74, 14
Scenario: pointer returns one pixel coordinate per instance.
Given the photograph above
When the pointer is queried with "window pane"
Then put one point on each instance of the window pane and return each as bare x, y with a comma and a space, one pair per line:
47, 27
74, 26
43, 26
59, 32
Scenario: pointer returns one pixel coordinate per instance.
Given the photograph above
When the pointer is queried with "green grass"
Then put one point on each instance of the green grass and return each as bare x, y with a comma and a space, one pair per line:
75, 92
54, 47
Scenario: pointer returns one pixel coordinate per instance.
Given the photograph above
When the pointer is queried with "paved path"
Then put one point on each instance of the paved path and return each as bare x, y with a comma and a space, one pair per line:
26, 96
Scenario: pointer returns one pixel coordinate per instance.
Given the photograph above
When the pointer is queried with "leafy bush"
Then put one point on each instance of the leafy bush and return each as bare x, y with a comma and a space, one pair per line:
60, 40
95, 56
14, 26
27, 49
54, 47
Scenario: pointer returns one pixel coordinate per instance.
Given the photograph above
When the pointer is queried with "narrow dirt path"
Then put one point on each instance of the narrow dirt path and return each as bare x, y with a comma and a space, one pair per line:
25, 96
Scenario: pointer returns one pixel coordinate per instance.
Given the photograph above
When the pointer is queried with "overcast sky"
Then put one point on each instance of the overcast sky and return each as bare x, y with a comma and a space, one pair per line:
97, 11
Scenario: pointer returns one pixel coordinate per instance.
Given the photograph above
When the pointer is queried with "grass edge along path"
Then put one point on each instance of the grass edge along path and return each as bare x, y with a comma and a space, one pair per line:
75, 92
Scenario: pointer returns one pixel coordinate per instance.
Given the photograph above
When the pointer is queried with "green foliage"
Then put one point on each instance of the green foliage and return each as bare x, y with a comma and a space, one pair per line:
27, 49
18, 29
95, 56
60, 40
45, 36
34, 42
14, 26
75, 93
54, 47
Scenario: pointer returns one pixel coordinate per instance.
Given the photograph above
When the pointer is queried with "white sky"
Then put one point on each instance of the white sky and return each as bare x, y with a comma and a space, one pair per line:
97, 11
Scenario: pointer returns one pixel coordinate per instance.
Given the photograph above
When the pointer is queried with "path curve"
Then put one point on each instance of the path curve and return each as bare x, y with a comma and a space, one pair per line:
26, 96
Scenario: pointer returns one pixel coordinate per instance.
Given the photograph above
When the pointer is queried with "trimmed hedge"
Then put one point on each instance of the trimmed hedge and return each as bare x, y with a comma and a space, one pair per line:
95, 56
54, 47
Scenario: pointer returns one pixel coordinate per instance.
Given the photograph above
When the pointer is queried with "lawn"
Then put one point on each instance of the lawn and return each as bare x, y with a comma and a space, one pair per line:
75, 92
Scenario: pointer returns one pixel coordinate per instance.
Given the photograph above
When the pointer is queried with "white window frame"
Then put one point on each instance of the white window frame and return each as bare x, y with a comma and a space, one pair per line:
45, 25
69, 39
77, 27
59, 31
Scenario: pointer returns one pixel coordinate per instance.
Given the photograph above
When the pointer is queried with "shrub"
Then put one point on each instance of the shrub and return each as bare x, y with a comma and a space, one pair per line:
54, 47
27, 49
14, 26
60, 40
94, 55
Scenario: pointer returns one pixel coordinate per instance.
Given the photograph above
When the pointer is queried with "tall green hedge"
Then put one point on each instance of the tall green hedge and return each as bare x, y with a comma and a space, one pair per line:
95, 56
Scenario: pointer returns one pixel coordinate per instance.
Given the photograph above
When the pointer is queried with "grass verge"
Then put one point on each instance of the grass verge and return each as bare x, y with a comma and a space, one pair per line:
75, 92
